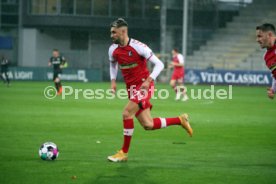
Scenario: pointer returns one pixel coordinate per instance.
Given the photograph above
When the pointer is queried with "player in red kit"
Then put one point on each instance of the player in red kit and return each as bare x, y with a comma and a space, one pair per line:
178, 75
131, 57
266, 37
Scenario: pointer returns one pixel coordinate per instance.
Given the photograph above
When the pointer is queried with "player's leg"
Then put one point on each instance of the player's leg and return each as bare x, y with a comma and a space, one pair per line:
128, 113
185, 96
58, 84
145, 119
150, 123
182, 89
55, 76
7, 78
174, 86
2, 78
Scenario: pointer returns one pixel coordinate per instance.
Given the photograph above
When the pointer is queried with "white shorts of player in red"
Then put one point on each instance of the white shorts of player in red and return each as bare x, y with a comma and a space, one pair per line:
140, 96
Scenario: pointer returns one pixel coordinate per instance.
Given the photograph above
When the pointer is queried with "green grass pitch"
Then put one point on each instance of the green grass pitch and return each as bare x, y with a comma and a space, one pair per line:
234, 140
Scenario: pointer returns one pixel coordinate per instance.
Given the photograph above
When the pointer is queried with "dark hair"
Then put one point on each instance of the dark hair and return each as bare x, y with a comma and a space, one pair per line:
55, 50
120, 22
176, 50
266, 27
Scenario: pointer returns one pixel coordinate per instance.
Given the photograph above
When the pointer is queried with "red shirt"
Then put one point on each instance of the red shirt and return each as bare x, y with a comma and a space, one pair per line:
132, 60
270, 60
178, 59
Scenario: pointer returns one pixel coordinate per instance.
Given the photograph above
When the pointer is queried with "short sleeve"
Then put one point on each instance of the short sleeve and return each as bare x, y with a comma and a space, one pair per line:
180, 58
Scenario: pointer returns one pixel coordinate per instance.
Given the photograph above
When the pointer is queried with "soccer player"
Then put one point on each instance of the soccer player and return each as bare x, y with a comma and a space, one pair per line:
58, 63
266, 37
131, 57
178, 74
4, 70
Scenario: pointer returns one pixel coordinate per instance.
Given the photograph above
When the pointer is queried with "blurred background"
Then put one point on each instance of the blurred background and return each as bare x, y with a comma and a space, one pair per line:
212, 34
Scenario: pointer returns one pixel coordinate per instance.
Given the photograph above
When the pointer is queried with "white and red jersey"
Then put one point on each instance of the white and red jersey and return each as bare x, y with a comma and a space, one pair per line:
178, 59
132, 60
270, 60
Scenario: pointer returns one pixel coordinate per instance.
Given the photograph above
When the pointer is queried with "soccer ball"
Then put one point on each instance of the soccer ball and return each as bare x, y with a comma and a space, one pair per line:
48, 151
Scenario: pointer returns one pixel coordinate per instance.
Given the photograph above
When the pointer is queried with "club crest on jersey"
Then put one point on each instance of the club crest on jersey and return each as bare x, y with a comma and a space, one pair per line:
129, 53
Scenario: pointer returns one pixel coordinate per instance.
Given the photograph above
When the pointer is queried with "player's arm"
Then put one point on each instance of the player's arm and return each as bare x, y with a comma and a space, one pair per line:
113, 67
180, 61
49, 63
173, 64
158, 67
63, 62
147, 53
7, 62
271, 91
113, 75
176, 64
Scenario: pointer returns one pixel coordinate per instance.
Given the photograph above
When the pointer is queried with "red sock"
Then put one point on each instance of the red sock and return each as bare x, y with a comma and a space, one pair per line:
164, 122
173, 121
128, 131
156, 123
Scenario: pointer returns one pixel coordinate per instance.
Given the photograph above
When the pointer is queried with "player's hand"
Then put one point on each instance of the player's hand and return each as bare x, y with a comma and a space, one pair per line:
113, 86
171, 65
143, 91
146, 84
270, 93
64, 65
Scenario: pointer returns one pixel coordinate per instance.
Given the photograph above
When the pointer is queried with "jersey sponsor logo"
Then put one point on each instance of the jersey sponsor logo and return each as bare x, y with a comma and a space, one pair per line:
56, 62
128, 66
